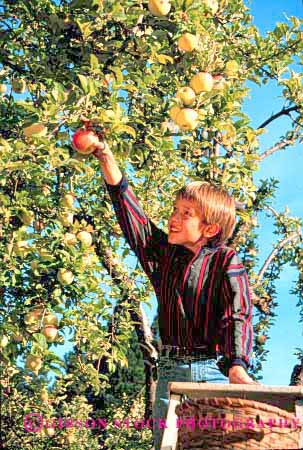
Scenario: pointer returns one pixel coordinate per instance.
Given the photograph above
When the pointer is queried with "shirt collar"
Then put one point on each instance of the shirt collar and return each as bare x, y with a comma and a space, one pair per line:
206, 249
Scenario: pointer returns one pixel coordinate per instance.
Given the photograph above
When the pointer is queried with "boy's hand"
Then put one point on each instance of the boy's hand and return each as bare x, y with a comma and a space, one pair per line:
238, 375
102, 151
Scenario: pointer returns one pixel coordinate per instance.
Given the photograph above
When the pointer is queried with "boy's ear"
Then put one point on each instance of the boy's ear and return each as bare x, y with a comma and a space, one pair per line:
212, 230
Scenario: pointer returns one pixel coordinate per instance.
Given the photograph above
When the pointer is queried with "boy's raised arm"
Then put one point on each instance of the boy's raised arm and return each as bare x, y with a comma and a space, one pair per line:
108, 165
144, 237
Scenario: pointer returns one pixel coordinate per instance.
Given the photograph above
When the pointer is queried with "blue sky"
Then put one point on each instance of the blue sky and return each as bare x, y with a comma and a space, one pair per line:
286, 334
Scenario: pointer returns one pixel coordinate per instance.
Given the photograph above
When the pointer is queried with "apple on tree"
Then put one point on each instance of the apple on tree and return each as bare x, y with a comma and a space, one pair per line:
21, 248
66, 218
187, 42
2, 88
69, 239
85, 238
44, 395
173, 112
3, 341
19, 85
68, 200
65, 277
186, 95
84, 141
187, 119
33, 363
159, 8
50, 332
27, 217
219, 82
202, 82
212, 5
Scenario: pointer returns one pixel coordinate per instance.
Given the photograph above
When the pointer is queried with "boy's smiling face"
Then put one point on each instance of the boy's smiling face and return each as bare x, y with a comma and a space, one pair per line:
186, 226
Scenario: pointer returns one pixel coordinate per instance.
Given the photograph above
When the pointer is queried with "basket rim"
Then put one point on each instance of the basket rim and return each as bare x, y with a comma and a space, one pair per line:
239, 402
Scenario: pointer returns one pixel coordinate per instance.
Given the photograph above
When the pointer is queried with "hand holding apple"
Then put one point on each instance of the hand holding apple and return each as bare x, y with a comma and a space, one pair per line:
102, 151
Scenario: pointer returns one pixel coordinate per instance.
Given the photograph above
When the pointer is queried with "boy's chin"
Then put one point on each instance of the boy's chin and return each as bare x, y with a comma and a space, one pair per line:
173, 239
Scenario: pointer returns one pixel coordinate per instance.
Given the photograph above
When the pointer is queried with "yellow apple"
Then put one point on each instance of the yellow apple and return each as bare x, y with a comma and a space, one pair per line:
159, 7
261, 339
50, 319
231, 68
65, 276
219, 82
66, 218
187, 119
33, 363
21, 248
34, 314
173, 112
85, 238
2, 88
36, 129
69, 239
33, 318
187, 42
202, 82
50, 431
19, 85
44, 396
212, 5
27, 217
50, 332
68, 200
3, 341
186, 95
70, 438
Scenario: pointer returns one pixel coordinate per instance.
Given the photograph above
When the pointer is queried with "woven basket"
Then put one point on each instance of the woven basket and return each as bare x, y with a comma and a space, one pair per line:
234, 424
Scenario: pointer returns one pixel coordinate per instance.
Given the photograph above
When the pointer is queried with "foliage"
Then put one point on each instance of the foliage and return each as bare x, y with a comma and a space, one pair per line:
119, 66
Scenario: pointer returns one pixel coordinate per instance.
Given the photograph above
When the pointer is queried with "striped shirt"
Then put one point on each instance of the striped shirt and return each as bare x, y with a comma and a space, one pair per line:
210, 285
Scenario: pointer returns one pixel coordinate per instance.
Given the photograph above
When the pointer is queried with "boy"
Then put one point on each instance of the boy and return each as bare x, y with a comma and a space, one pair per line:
204, 305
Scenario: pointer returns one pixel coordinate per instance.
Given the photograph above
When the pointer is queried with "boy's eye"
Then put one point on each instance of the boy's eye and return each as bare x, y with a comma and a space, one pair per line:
185, 212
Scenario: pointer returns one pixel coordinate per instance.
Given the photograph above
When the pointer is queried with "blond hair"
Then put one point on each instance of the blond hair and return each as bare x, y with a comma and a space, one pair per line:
215, 205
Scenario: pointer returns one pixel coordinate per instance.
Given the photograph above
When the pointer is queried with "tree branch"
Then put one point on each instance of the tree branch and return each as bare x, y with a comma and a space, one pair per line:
272, 255
283, 112
281, 145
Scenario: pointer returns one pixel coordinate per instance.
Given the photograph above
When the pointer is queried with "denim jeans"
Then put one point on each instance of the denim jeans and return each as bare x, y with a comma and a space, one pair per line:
197, 370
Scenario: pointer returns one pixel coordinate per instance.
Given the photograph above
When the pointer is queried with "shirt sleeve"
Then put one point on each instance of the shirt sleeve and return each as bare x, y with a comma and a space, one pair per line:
144, 237
237, 319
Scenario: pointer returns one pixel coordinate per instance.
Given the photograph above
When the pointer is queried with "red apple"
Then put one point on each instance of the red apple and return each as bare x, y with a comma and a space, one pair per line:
84, 141
50, 332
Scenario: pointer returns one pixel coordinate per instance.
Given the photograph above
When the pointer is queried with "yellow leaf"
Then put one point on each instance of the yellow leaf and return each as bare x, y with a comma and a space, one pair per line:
119, 75
85, 28
164, 59
127, 87
125, 129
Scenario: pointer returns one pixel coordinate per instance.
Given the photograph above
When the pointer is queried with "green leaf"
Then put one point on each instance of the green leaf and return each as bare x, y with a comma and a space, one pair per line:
84, 83
94, 62
41, 340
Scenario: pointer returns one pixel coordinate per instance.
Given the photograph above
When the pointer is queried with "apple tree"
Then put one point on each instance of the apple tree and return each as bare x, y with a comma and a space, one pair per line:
164, 83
